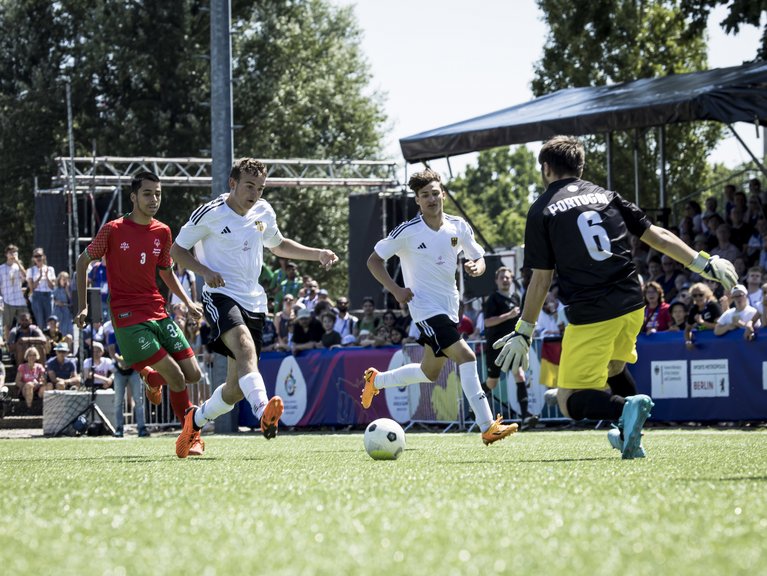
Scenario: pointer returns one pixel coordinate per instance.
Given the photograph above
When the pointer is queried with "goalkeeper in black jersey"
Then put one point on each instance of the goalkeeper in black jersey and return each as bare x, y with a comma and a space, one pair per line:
582, 231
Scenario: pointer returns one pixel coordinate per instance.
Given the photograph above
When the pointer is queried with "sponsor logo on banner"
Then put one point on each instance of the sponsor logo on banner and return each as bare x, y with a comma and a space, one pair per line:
709, 378
669, 379
400, 400
291, 387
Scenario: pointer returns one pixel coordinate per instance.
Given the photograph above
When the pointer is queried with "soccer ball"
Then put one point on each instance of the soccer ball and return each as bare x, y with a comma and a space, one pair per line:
384, 439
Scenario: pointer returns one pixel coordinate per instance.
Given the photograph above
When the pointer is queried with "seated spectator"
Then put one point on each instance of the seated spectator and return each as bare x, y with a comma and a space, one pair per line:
754, 278
348, 340
741, 315
725, 249
62, 371
754, 242
330, 338
405, 319
729, 200
713, 224
683, 296
741, 269
307, 332
368, 320
345, 322
91, 332
291, 284
694, 212
656, 313
24, 335
30, 377
703, 314
754, 209
322, 307
678, 311
383, 332
323, 296
311, 295
53, 335
269, 335
99, 370
740, 230
654, 269
396, 337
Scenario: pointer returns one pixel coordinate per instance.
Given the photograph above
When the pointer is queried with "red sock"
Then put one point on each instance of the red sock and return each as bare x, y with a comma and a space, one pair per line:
153, 377
179, 401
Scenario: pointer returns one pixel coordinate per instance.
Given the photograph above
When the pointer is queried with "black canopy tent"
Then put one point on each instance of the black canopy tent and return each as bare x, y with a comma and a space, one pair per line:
736, 94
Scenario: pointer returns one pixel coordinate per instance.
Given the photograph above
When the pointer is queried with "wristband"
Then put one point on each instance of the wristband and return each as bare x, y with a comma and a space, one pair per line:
524, 328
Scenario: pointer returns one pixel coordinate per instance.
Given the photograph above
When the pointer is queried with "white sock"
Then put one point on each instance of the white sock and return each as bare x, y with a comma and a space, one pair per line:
402, 376
254, 390
473, 391
212, 408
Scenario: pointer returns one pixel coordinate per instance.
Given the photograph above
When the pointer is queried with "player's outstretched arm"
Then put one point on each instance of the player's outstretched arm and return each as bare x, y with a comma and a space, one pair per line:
710, 267
377, 267
295, 251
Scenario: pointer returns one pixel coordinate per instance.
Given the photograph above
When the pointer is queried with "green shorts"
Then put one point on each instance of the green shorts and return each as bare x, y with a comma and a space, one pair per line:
146, 343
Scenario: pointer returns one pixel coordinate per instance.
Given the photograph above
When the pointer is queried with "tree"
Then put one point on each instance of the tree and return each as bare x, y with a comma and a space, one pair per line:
740, 13
496, 193
612, 41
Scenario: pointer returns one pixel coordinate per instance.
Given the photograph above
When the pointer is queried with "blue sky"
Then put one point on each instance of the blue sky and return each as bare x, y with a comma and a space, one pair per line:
441, 61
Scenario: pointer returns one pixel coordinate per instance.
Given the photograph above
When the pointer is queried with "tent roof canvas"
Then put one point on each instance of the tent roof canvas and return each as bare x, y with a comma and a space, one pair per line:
735, 94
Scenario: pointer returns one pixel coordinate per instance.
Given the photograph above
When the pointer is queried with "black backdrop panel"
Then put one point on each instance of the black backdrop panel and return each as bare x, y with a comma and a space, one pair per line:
51, 229
365, 229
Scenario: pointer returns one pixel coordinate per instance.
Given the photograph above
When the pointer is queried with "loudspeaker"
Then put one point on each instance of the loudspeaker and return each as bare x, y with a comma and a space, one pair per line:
94, 304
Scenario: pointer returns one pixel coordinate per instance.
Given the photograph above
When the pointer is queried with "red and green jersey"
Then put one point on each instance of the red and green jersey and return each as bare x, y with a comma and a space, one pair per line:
132, 253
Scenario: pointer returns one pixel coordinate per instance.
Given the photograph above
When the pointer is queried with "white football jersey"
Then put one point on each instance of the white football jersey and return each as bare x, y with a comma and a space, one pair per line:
233, 246
428, 259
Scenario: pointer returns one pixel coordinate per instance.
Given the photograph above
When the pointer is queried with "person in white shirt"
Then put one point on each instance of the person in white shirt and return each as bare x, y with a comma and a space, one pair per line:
345, 322
228, 235
754, 285
428, 248
99, 369
12, 275
742, 315
41, 279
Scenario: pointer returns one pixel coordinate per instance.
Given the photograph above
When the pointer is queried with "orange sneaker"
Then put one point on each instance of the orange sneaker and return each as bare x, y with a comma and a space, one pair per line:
188, 434
498, 431
370, 390
198, 445
271, 416
153, 394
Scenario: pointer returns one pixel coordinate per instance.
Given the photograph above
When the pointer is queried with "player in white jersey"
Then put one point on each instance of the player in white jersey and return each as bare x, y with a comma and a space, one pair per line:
228, 235
428, 248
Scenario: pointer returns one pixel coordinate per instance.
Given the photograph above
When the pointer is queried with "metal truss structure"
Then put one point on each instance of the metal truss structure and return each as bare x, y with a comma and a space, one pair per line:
113, 171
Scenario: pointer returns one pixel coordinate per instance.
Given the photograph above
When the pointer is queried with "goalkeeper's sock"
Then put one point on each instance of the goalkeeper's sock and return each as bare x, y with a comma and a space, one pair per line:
179, 401
474, 394
595, 405
402, 376
212, 408
623, 383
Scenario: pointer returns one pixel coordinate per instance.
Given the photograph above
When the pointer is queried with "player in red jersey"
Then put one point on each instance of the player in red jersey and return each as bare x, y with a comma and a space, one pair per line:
133, 248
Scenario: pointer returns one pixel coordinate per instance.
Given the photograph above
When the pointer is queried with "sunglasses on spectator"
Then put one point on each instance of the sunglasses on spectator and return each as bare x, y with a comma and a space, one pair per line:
37, 255
697, 295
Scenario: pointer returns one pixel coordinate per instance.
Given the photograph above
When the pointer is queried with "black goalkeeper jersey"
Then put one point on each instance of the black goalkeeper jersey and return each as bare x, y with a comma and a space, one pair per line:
582, 230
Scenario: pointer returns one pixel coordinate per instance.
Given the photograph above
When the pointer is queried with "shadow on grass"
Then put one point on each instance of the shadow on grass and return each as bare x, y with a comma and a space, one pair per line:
551, 460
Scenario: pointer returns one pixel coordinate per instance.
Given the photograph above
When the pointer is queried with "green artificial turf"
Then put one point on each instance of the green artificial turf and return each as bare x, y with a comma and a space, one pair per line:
536, 503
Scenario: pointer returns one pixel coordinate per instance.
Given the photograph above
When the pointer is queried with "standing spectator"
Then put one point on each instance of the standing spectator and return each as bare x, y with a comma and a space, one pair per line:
703, 314
30, 377
656, 311
548, 323
41, 280
62, 370
98, 370
97, 278
62, 303
368, 320
311, 295
345, 322
125, 376
754, 209
711, 209
188, 281
729, 200
307, 332
725, 249
12, 277
330, 338
654, 269
292, 284
283, 322
502, 310
754, 280
668, 276
694, 211
740, 230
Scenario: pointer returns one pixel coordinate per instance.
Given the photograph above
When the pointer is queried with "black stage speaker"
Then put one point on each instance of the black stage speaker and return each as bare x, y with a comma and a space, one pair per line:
51, 229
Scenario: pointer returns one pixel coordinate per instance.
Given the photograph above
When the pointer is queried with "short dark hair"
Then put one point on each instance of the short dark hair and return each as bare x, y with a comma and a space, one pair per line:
503, 269
563, 154
422, 178
369, 299
248, 166
139, 177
